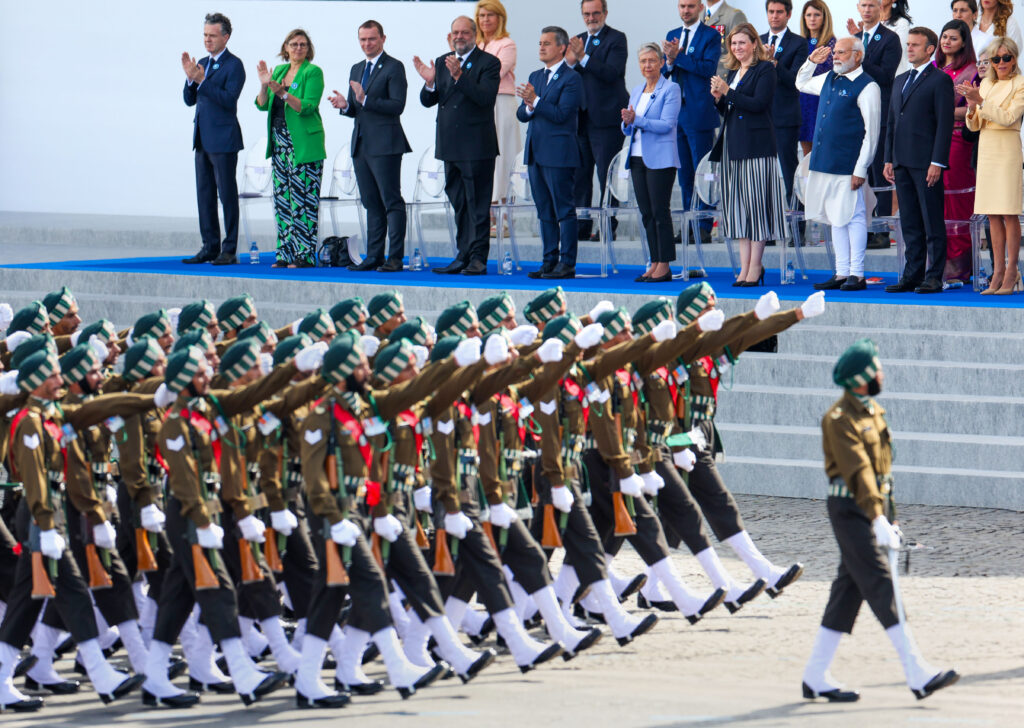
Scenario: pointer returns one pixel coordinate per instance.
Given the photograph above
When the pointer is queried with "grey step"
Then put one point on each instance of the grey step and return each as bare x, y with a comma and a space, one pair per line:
965, 452
914, 484
901, 375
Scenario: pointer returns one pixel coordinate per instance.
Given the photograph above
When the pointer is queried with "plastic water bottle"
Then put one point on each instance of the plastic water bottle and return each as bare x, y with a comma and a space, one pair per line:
946, 285
506, 265
983, 278
416, 260
254, 253
790, 274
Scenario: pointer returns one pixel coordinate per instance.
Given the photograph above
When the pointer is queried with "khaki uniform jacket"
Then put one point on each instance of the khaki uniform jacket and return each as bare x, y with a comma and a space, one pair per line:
858, 448
137, 446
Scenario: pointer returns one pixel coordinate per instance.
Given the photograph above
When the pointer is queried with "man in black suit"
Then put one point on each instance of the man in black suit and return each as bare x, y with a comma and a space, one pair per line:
599, 57
463, 85
882, 53
789, 51
916, 152
376, 100
213, 86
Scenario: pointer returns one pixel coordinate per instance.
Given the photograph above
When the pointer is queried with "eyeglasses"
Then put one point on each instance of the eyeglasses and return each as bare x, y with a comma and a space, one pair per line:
298, 45
1002, 59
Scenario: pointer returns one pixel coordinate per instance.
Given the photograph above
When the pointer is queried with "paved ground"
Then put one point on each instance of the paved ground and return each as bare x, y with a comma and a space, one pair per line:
963, 595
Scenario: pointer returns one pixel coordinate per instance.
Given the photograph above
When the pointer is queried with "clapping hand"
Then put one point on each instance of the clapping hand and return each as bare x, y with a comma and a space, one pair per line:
358, 90
671, 49
719, 87
628, 116
454, 67
575, 52
264, 73
193, 71
427, 73
820, 55
527, 93
969, 92
338, 101
854, 27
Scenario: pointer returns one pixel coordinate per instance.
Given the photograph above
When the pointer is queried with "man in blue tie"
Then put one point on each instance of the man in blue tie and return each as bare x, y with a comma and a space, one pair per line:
213, 86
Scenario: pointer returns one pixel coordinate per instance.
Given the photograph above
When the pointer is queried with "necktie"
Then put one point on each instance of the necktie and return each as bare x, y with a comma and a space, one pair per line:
682, 49
547, 80
910, 83
774, 43
586, 48
707, 15
366, 74
867, 38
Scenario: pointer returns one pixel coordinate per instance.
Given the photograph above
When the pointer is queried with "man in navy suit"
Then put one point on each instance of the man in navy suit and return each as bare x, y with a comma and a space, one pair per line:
213, 86
599, 56
691, 59
882, 54
916, 153
376, 100
789, 51
551, 104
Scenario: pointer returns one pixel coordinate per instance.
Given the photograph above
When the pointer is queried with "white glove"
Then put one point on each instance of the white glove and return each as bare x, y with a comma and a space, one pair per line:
104, 535
9, 382
496, 349
589, 336
6, 315
664, 331
502, 516
652, 482
766, 305
173, 314
684, 460
284, 522
75, 337
467, 352
253, 529
523, 335
551, 350
266, 363
98, 348
345, 533
632, 485
152, 519
163, 396
370, 345
886, 535
388, 528
422, 354
111, 495
600, 308
17, 339
311, 357
711, 321
562, 498
51, 544
423, 500
211, 537
295, 326
814, 305
696, 436
457, 524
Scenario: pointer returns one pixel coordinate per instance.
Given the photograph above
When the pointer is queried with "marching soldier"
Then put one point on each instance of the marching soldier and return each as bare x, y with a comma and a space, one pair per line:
62, 311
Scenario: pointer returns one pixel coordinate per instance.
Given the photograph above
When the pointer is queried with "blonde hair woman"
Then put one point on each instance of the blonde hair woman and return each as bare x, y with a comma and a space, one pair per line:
492, 37
995, 20
995, 109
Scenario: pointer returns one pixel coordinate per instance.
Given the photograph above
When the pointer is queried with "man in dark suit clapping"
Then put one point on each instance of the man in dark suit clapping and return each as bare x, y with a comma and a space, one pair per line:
551, 102
463, 85
213, 86
788, 51
376, 100
916, 152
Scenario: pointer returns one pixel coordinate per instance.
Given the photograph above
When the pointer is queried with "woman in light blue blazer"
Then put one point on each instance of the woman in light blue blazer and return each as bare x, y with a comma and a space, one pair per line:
653, 158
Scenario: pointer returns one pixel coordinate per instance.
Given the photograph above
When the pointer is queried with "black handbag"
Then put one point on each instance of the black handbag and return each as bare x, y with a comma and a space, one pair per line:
334, 252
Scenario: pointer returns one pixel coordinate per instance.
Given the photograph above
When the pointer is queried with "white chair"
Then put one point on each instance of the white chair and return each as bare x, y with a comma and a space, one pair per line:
257, 184
518, 198
619, 186
429, 194
344, 192
704, 205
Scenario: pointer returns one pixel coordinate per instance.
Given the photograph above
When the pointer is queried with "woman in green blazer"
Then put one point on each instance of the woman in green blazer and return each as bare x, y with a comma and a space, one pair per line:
295, 142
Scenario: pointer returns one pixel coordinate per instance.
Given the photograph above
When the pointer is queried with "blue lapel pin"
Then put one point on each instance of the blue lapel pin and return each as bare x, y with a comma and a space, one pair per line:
690, 49
878, 36
469, 65
294, 84
814, 41
597, 41
216, 66
555, 77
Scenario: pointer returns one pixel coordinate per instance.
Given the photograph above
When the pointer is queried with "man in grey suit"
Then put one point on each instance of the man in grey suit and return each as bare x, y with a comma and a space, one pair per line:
723, 17
376, 100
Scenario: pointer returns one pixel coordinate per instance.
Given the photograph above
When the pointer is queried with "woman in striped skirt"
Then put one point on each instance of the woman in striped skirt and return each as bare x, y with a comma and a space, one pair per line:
753, 194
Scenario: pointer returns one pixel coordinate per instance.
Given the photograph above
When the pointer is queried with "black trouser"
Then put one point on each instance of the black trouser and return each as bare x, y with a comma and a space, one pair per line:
408, 567
653, 188
116, 603
468, 185
708, 489
126, 545
215, 177
649, 539
597, 145
863, 573
218, 606
922, 221
299, 561
883, 204
8, 560
72, 600
583, 550
257, 600
380, 190
680, 515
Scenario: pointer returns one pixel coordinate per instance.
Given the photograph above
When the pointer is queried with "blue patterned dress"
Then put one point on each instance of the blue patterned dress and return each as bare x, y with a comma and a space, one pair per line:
809, 102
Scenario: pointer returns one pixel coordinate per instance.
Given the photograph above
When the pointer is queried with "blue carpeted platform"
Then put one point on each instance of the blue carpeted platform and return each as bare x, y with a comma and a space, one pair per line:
621, 282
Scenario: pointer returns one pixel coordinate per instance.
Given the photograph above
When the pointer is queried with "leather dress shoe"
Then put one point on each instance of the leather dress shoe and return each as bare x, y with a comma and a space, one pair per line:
371, 653
222, 688
126, 686
338, 700
832, 696
475, 268
435, 673
22, 706
667, 278
943, 680
202, 256
930, 285
592, 638
64, 687
25, 664
666, 605
225, 259
832, 284
367, 264
114, 647
716, 598
270, 683
486, 658
904, 286
177, 668
646, 625
561, 271
391, 266
635, 584
854, 283
485, 629
878, 241
792, 574
540, 272
553, 651
583, 614
371, 688
185, 700
452, 268
752, 592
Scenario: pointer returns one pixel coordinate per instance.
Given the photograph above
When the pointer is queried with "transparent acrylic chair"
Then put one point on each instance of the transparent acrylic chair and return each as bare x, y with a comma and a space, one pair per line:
344, 192
518, 198
429, 195
257, 184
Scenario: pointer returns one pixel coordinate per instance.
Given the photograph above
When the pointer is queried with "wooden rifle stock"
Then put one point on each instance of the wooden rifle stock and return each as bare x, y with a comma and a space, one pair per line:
205, 578
250, 569
488, 529
336, 574
144, 551
624, 525
421, 535
443, 563
331, 465
271, 552
98, 576
550, 537
41, 586
378, 555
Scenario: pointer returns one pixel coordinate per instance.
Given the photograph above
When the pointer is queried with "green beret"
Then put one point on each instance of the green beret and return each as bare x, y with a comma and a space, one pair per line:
317, 324
260, 332
182, 366
445, 347
342, 357
195, 337
345, 314
416, 330
382, 307
651, 314
546, 306
564, 328
858, 365
393, 359
102, 329
140, 359
456, 320
77, 362
289, 347
692, 300
239, 359
614, 322
38, 342
234, 311
198, 314
58, 303
492, 311
31, 318
36, 369
154, 324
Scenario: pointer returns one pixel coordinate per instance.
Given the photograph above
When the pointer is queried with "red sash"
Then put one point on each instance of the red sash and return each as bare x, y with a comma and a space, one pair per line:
673, 388
412, 421
466, 412
573, 389
51, 427
709, 366
626, 381
354, 427
510, 407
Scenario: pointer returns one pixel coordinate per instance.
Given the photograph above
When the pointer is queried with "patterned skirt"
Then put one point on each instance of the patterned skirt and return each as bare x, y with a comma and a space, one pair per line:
296, 201
753, 197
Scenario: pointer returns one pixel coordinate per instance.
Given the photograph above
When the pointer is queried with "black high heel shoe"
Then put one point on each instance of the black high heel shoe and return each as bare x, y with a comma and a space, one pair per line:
754, 284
